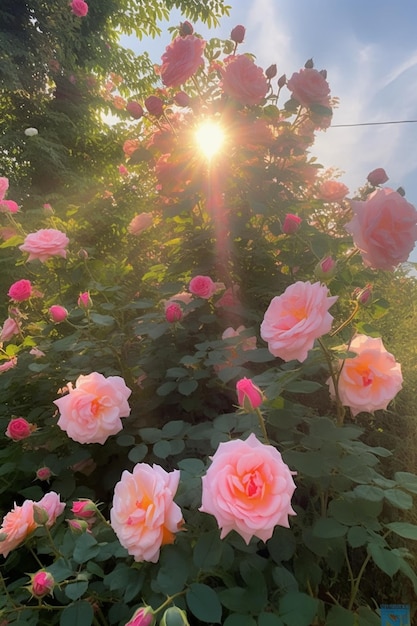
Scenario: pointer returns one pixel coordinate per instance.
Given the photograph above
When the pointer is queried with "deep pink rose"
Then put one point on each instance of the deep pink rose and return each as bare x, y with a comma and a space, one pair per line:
10, 328
308, 86
243, 80
291, 224
17, 525
377, 177
8, 206
173, 313
20, 290
42, 584
295, 319
143, 616
384, 228
181, 60
45, 243
154, 105
135, 109
52, 505
202, 286
248, 488
332, 191
249, 396
144, 515
91, 411
4, 185
84, 300
182, 99
79, 8
238, 33
18, 428
58, 313
371, 379
140, 223
43, 473
85, 509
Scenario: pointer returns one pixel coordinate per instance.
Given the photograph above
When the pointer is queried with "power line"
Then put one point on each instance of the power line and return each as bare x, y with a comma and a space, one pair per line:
374, 123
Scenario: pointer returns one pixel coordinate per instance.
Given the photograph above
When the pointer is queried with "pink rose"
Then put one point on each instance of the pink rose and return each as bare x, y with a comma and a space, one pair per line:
377, 177
17, 525
173, 313
325, 269
42, 584
202, 286
249, 396
370, 380
144, 515
295, 319
130, 146
135, 109
43, 473
291, 224
154, 105
18, 428
181, 60
140, 223
4, 185
248, 488
10, 328
182, 99
8, 206
44, 244
85, 509
36, 352
123, 171
20, 290
91, 411
143, 616
243, 80
384, 228
79, 8
84, 300
230, 298
52, 505
332, 191
248, 343
58, 313
308, 86
8, 365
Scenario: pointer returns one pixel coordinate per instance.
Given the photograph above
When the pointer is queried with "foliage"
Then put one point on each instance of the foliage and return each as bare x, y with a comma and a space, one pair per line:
349, 547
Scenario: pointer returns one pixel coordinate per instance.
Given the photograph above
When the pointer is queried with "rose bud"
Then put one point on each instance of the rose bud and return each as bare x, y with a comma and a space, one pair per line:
326, 268
309, 64
363, 296
43, 473
174, 617
249, 396
238, 34
282, 80
135, 109
291, 224
173, 313
154, 105
182, 99
144, 616
85, 509
42, 583
271, 71
84, 301
377, 177
186, 28
58, 313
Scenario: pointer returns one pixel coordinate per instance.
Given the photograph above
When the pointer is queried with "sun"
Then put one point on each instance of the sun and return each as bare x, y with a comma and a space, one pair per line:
210, 138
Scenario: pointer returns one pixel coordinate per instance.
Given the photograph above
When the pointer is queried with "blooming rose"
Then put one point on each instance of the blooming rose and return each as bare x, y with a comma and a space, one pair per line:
42, 584
181, 60
52, 505
371, 379
249, 395
291, 224
248, 488
248, 343
384, 228
18, 428
45, 243
58, 313
140, 222
9, 206
144, 515
4, 185
243, 80
123, 171
91, 411
308, 86
10, 328
144, 616
17, 526
20, 290
377, 177
332, 191
79, 8
202, 286
296, 318
8, 365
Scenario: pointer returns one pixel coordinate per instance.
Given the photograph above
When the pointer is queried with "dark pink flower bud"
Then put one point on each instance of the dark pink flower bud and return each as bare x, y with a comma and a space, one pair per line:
291, 224
135, 109
154, 105
58, 313
85, 509
377, 177
42, 583
173, 313
282, 80
271, 71
43, 473
186, 28
363, 296
18, 428
238, 34
249, 396
182, 99
326, 268
144, 616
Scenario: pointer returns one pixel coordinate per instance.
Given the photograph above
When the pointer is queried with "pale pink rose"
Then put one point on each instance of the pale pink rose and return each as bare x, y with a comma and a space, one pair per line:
291, 224
377, 177
7, 232
308, 86
144, 616
9, 329
79, 8
248, 343
230, 298
332, 191
384, 228
42, 584
17, 525
144, 515
53, 506
243, 80
58, 313
183, 297
140, 223
4, 185
44, 244
370, 380
20, 290
8, 206
202, 286
36, 352
181, 60
91, 411
249, 396
295, 319
248, 488
18, 428
8, 365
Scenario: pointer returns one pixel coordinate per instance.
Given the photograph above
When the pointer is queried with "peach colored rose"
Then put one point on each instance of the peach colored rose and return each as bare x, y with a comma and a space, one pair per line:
18, 428
202, 286
140, 223
17, 525
4, 185
371, 379
144, 515
295, 319
9, 329
91, 411
248, 488
53, 506
243, 80
332, 191
308, 86
384, 228
44, 244
20, 290
181, 60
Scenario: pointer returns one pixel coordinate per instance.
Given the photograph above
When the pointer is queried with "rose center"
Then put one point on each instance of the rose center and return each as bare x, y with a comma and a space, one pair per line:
253, 485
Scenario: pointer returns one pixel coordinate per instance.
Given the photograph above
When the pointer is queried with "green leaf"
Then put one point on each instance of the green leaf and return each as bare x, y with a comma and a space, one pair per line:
150, 435
385, 559
357, 536
282, 544
102, 320
237, 619
338, 616
138, 453
284, 580
297, 609
60, 570
407, 481
204, 603
328, 528
208, 550
86, 548
173, 428
166, 388
399, 498
125, 441
187, 387
366, 617
162, 449
78, 613
74, 591
269, 619
368, 492
403, 529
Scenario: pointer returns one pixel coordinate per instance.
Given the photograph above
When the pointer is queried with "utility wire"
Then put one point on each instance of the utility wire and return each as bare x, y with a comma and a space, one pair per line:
374, 123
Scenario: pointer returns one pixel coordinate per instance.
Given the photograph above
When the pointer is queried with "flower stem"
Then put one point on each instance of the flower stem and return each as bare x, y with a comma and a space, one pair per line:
335, 380
262, 425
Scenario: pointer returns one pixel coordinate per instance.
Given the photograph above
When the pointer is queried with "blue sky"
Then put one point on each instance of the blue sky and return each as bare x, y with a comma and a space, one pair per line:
369, 49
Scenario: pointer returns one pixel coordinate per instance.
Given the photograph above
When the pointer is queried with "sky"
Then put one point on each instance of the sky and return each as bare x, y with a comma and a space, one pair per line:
369, 49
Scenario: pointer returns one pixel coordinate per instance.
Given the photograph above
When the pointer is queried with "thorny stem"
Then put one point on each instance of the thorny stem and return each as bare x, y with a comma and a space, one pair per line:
347, 321
335, 380
262, 425
168, 601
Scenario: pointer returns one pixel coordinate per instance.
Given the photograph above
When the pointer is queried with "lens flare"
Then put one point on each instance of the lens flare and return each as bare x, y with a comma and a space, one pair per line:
210, 138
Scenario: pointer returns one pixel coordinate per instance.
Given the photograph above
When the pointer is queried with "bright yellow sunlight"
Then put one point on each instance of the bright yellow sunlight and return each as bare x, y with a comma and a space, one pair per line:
210, 138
